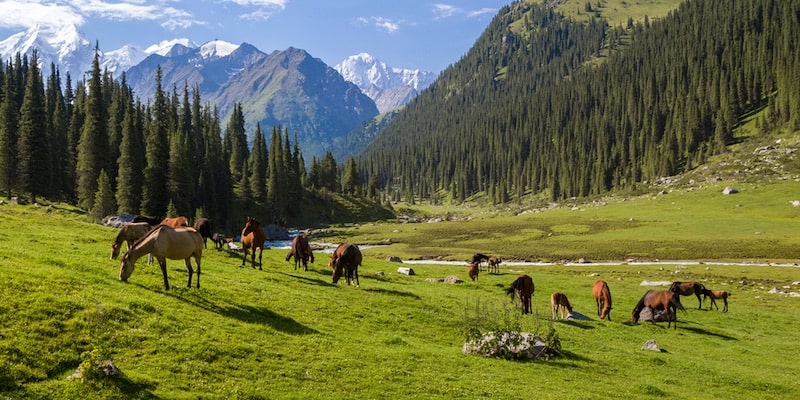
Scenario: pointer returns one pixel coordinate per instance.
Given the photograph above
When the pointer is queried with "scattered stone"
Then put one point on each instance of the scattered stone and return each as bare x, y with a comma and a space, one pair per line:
730, 190
795, 203
379, 273
453, 279
651, 345
434, 280
647, 315
405, 271
105, 367
394, 259
593, 274
655, 283
775, 290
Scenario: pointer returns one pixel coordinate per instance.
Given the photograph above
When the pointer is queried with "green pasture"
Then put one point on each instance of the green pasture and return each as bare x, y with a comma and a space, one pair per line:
280, 333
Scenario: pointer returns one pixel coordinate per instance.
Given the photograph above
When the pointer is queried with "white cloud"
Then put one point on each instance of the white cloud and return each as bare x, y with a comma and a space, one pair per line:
24, 14
381, 23
258, 15
441, 11
260, 3
482, 11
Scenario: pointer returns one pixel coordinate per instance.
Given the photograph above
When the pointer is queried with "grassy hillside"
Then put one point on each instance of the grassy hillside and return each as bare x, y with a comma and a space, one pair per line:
280, 333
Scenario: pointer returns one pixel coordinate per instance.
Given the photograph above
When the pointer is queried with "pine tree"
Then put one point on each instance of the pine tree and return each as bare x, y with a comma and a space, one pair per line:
236, 138
179, 174
258, 167
93, 144
32, 148
351, 182
9, 112
155, 197
103, 203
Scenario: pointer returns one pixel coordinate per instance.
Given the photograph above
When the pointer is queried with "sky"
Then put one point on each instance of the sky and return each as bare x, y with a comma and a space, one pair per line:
415, 34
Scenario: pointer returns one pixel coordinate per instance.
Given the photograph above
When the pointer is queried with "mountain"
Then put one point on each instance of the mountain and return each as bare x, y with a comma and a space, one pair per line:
62, 45
389, 87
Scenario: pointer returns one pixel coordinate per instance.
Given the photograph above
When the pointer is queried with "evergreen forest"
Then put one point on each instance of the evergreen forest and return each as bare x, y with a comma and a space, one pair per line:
546, 106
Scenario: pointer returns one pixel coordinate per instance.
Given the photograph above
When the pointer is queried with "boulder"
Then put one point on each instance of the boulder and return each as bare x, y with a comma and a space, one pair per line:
434, 280
659, 316
651, 345
275, 232
507, 345
394, 259
729, 190
405, 271
453, 279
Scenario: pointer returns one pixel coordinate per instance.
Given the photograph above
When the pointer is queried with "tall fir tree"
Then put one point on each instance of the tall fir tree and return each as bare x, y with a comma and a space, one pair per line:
9, 115
32, 147
258, 167
155, 197
93, 144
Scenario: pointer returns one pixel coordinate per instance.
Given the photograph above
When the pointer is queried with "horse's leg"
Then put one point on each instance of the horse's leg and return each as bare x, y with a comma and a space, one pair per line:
260, 251
197, 260
725, 304
163, 263
244, 255
713, 304
699, 300
190, 271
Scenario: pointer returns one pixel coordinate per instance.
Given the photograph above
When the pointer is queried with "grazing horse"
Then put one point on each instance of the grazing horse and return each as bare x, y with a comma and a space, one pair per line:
560, 303
203, 227
602, 296
219, 240
128, 233
176, 222
688, 289
253, 238
523, 286
479, 258
346, 258
164, 242
717, 294
494, 263
146, 218
301, 251
659, 299
473, 270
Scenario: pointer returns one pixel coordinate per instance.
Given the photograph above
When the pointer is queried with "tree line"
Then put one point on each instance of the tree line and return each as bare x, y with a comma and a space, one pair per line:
537, 107
96, 145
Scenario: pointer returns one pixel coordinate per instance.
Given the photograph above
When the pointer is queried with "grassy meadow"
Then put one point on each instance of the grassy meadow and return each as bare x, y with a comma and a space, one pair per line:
280, 333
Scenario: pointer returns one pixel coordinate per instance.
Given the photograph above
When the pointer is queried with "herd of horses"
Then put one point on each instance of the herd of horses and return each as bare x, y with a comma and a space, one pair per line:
666, 302
176, 239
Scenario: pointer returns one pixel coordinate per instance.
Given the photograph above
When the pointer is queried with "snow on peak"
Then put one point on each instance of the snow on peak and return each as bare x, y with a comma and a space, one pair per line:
163, 47
364, 70
217, 49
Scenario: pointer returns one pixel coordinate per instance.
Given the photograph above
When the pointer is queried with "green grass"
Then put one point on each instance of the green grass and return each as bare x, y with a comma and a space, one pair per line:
278, 333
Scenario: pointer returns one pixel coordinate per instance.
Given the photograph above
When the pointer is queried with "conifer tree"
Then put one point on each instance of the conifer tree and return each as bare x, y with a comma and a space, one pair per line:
179, 181
93, 144
103, 203
258, 166
236, 138
9, 113
155, 197
351, 182
32, 148
130, 162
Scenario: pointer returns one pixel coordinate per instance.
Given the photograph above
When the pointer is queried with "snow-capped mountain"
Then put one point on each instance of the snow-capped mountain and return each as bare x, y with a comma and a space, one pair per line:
62, 45
389, 87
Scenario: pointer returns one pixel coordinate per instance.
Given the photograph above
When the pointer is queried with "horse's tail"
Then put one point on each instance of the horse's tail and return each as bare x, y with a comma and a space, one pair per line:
676, 302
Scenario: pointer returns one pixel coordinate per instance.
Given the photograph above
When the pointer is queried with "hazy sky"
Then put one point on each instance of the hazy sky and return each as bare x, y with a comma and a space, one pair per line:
429, 35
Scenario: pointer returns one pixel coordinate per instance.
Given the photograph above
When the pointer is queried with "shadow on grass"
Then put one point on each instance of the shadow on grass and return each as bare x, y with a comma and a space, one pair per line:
250, 314
571, 356
709, 333
577, 324
393, 293
133, 390
313, 281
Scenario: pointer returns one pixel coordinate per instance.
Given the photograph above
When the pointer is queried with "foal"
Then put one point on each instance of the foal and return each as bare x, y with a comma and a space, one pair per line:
717, 294
473, 271
559, 303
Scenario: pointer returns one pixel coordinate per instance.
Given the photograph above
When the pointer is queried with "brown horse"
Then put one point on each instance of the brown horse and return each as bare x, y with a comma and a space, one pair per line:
146, 218
659, 299
479, 258
523, 286
688, 289
494, 263
558, 304
253, 238
164, 242
717, 294
301, 251
602, 296
129, 233
345, 259
473, 270
203, 227
176, 222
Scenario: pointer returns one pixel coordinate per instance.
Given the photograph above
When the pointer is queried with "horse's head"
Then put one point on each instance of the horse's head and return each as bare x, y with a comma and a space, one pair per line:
115, 250
250, 225
126, 267
337, 271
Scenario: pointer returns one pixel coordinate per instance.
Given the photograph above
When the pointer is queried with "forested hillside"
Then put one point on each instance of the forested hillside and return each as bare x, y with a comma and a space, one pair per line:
528, 111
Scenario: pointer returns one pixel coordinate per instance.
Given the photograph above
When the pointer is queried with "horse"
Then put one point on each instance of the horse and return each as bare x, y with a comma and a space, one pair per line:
717, 294
301, 252
203, 227
659, 299
165, 242
473, 270
129, 233
219, 240
479, 258
176, 222
253, 238
687, 289
558, 303
346, 258
602, 296
146, 218
523, 286
494, 263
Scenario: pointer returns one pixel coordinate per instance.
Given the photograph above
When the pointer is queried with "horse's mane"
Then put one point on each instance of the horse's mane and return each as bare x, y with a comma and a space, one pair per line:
514, 286
640, 305
148, 234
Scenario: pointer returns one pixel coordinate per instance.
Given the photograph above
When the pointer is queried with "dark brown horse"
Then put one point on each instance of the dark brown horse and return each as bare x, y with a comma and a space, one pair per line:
558, 304
665, 300
154, 221
688, 289
602, 296
345, 259
478, 258
717, 294
253, 238
523, 286
494, 264
164, 242
301, 251
203, 227
473, 270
